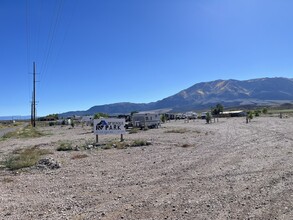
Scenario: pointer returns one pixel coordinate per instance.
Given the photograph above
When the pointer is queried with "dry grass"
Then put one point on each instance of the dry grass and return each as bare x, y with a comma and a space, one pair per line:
22, 158
79, 156
65, 146
133, 131
139, 143
177, 131
185, 145
10, 124
126, 144
7, 180
26, 132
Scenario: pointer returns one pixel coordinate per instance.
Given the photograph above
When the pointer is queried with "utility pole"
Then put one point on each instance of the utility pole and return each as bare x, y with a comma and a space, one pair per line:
32, 120
34, 97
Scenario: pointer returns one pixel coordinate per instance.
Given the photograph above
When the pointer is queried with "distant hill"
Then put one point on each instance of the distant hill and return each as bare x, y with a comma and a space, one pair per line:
230, 93
17, 117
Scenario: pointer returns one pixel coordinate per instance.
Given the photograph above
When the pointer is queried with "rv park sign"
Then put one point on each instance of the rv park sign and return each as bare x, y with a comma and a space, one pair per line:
109, 126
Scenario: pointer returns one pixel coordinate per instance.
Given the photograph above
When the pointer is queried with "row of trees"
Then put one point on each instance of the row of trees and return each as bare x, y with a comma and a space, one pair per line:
255, 113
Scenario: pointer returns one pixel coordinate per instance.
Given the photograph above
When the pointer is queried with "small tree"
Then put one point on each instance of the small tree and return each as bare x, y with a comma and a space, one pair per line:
208, 118
101, 115
55, 116
264, 110
257, 113
250, 115
217, 110
163, 118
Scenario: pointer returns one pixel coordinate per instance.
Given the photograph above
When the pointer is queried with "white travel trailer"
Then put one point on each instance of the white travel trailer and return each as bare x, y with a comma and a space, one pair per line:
88, 120
191, 115
180, 116
203, 115
146, 120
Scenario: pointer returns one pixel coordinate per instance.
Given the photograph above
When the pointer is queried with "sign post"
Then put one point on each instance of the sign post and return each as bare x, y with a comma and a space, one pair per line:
109, 126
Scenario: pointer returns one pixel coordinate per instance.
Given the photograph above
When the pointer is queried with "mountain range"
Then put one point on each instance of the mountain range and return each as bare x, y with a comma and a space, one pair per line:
200, 96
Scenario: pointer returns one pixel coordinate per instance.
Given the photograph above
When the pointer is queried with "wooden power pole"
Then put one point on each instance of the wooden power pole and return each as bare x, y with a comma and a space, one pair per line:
34, 96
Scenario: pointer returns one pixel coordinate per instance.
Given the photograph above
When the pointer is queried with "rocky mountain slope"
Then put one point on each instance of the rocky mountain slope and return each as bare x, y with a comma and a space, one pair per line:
263, 91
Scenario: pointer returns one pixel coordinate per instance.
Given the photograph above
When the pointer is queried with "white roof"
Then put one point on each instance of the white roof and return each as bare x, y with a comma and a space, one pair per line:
232, 112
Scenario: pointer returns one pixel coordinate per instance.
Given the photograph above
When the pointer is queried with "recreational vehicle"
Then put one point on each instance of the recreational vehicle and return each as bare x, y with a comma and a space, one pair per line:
88, 120
146, 120
191, 115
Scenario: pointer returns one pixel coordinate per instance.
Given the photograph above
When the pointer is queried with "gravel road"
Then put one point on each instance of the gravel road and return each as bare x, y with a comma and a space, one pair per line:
224, 170
4, 131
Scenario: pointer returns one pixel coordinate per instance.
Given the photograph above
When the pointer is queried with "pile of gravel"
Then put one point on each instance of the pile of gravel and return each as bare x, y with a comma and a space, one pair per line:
48, 163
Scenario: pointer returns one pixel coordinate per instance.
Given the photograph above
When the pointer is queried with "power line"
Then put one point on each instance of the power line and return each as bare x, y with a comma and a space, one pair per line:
38, 31
39, 47
51, 37
67, 27
28, 33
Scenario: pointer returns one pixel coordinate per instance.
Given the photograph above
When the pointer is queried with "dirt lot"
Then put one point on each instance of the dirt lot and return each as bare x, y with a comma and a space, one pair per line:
225, 170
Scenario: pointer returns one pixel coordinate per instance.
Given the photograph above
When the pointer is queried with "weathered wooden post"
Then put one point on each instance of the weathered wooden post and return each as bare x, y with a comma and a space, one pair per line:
97, 139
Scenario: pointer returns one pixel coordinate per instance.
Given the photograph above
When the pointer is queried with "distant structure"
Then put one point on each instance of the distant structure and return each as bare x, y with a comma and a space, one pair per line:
239, 113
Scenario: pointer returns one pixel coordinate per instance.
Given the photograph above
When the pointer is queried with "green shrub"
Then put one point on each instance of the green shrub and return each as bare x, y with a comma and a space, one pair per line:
107, 147
116, 144
163, 118
257, 113
250, 115
208, 118
139, 143
51, 123
124, 144
101, 115
65, 146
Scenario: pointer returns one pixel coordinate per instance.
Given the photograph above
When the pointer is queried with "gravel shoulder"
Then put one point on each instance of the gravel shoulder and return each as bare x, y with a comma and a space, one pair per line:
224, 170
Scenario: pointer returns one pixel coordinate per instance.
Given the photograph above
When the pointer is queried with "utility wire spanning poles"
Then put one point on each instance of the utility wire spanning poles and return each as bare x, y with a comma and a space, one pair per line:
33, 106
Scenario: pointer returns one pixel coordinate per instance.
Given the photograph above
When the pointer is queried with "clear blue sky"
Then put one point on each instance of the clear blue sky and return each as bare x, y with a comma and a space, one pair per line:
93, 52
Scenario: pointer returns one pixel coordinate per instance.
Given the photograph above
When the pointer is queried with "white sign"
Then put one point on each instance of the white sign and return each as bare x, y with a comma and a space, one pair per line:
109, 126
